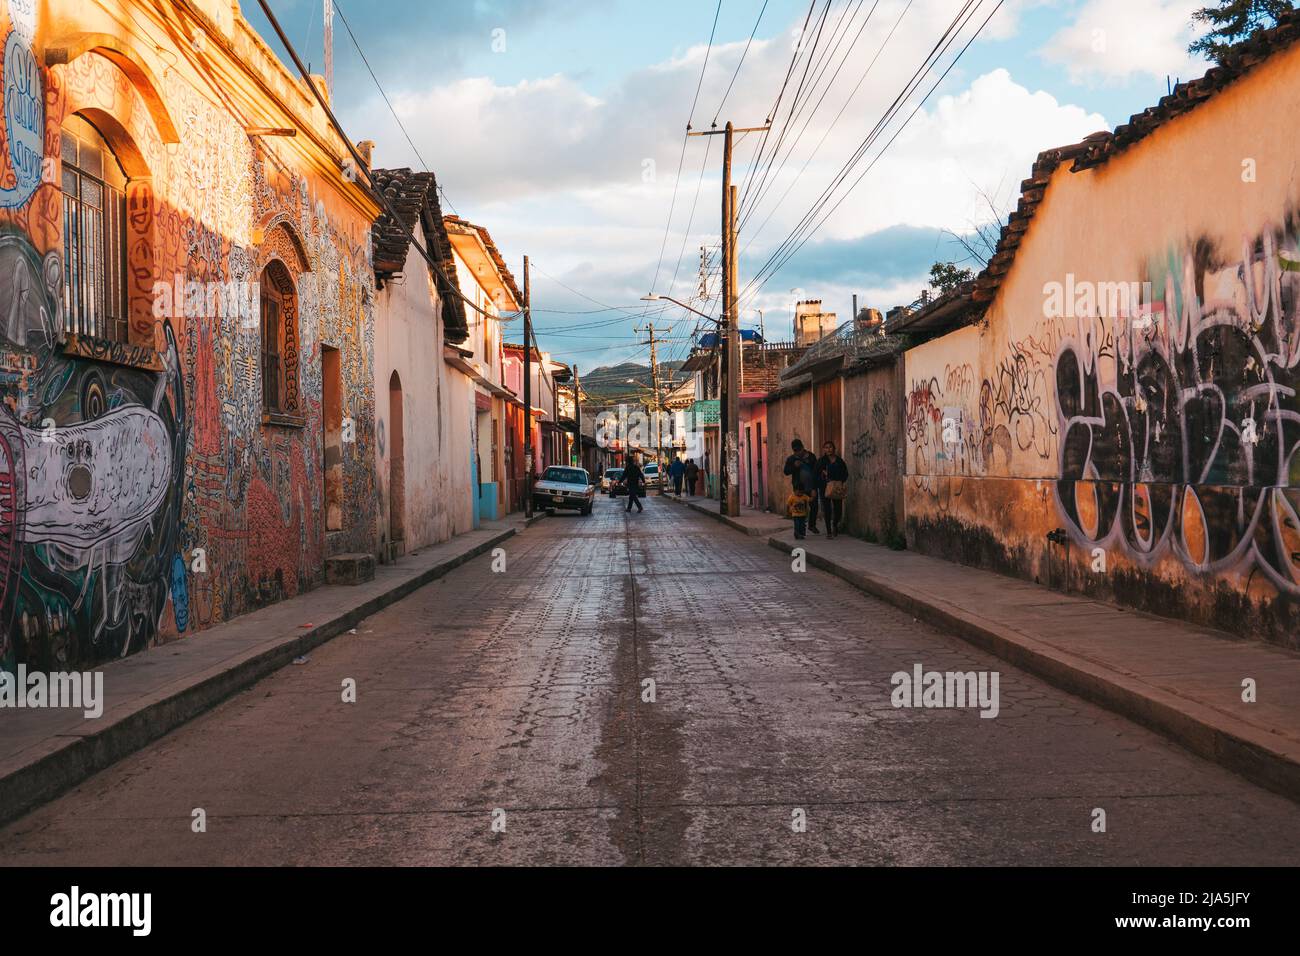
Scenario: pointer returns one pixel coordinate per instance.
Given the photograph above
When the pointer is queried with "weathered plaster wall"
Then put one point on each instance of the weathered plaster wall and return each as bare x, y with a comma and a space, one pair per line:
151, 472
788, 418
874, 451
1163, 441
409, 340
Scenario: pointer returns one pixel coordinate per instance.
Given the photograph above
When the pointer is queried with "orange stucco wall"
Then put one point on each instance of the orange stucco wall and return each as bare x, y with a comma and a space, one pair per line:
1160, 435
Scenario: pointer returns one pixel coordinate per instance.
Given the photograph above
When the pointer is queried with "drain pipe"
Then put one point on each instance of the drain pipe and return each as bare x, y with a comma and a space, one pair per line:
1061, 537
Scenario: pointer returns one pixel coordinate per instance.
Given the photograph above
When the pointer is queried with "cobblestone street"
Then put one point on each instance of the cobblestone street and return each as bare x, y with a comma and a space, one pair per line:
522, 692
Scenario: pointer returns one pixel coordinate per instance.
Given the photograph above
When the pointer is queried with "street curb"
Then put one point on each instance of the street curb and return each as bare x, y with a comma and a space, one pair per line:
728, 521
1208, 733
74, 759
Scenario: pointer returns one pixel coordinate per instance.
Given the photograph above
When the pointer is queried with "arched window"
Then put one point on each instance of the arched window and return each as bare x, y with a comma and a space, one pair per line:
279, 340
94, 234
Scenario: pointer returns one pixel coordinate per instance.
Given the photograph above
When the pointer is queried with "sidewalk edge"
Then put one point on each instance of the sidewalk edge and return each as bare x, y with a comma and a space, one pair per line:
45, 778
1244, 751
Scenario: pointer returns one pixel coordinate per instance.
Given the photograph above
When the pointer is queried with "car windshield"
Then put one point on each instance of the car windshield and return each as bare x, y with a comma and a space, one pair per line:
568, 476
652, 469
614, 473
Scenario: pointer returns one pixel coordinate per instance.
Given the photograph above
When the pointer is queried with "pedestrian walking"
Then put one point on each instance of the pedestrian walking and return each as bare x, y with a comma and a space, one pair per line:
802, 469
832, 487
635, 481
692, 476
677, 471
796, 506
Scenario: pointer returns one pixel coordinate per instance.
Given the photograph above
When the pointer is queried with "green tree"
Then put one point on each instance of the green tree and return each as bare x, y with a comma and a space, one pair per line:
1234, 21
945, 276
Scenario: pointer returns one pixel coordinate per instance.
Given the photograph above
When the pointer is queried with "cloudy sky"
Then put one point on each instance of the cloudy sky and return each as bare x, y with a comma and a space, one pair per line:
558, 125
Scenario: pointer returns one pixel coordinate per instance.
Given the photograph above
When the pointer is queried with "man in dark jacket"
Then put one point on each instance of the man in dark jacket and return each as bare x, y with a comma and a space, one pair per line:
635, 482
692, 475
677, 471
802, 469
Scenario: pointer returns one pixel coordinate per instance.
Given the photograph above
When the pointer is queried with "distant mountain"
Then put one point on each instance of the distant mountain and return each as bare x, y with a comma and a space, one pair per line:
609, 383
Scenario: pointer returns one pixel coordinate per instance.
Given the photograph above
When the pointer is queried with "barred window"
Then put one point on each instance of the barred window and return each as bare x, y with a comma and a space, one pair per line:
279, 306
272, 320
94, 234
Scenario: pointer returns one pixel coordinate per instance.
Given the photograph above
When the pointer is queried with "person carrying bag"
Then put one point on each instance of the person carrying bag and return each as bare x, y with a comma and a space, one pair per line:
832, 487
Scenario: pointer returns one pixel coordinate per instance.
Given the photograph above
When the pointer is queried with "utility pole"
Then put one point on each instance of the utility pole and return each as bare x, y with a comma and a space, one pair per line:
729, 471
577, 410
656, 406
528, 396
731, 435
328, 31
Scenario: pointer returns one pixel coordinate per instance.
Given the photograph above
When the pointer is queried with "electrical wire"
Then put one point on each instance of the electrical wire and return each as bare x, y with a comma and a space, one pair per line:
744, 54
804, 229
672, 206
376, 193
427, 168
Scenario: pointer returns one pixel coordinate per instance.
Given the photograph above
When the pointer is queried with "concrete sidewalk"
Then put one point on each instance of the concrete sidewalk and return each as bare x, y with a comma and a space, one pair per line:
1178, 679
751, 522
47, 751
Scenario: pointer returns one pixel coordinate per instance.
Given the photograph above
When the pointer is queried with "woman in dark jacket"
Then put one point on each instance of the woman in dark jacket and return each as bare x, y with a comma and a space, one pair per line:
832, 485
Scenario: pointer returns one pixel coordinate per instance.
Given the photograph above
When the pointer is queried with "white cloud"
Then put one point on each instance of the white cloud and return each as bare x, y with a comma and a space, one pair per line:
560, 174
1113, 40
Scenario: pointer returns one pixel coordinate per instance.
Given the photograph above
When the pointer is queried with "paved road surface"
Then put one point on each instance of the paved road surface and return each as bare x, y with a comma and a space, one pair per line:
522, 692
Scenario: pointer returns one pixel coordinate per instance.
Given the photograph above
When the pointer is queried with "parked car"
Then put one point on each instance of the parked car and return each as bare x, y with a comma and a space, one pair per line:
652, 477
565, 488
610, 482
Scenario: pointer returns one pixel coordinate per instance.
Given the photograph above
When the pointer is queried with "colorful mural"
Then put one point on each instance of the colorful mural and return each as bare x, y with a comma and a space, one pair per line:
144, 492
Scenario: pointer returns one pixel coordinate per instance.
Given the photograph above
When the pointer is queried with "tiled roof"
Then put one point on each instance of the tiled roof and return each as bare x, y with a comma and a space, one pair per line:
498, 260
415, 198
1100, 148
1238, 61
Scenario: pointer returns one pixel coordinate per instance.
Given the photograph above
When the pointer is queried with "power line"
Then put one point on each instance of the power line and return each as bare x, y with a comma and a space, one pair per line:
865, 145
758, 280
744, 54
758, 197
584, 295
427, 168
771, 114
686, 235
821, 24
829, 128
681, 159
376, 193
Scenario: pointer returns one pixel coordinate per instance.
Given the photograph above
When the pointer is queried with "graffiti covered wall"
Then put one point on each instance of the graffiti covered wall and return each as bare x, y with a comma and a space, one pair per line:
1134, 386
789, 416
145, 492
874, 451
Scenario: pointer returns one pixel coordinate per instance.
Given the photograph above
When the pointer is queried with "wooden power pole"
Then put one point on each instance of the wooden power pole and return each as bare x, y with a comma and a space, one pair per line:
729, 472
528, 396
577, 410
656, 406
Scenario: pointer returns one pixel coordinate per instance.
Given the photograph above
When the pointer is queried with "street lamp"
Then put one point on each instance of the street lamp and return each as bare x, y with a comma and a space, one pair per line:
729, 418
652, 297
